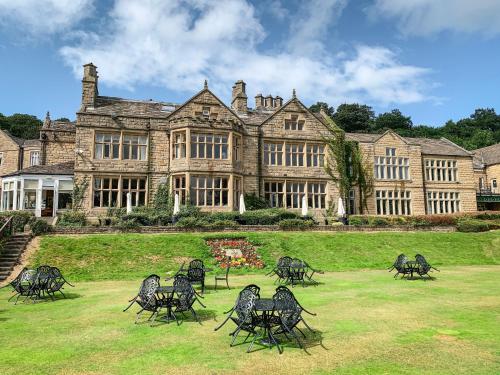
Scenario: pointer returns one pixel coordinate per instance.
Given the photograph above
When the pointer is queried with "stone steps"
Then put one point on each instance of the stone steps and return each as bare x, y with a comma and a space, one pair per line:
11, 252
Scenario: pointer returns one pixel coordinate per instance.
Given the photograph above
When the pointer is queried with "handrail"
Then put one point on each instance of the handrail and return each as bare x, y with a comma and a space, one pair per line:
6, 229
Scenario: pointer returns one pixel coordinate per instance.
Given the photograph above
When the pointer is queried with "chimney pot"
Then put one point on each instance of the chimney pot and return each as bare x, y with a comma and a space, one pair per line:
239, 96
259, 101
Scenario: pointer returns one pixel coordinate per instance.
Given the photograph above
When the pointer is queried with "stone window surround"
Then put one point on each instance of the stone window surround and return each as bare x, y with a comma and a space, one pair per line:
284, 192
431, 170
1, 159
294, 122
440, 202
187, 130
307, 152
390, 164
34, 158
121, 133
119, 191
393, 202
230, 176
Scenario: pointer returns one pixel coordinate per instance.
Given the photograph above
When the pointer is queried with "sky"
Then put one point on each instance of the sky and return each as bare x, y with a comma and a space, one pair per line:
435, 60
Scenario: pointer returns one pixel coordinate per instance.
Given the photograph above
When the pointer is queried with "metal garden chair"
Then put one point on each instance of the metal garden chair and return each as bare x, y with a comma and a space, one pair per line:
185, 297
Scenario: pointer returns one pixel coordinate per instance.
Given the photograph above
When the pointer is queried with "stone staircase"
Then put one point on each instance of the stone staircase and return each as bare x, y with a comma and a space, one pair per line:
11, 252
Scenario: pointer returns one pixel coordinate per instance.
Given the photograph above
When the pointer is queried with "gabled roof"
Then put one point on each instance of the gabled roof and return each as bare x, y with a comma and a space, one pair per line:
67, 168
66, 126
294, 99
16, 140
488, 155
111, 106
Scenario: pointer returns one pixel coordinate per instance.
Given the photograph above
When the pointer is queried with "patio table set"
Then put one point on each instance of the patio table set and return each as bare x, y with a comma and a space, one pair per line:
293, 271
406, 267
37, 284
268, 319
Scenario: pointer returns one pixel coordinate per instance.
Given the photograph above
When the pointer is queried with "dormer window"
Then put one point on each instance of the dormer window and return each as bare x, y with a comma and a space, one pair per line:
294, 123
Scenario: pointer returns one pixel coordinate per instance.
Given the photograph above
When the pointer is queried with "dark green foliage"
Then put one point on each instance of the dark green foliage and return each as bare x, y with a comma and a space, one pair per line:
223, 216
295, 224
354, 118
21, 125
270, 216
358, 220
192, 222
72, 219
63, 119
253, 202
189, 211
222, 224
393, 120
126, 224
316, 108
162, 199
19, 219
147, 216
470, 225
38, 226
378, 221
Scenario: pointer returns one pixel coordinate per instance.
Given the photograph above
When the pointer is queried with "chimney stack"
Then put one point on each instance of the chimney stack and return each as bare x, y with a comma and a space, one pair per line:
259, 101
278, 101
89, 86
239, 97
269, 102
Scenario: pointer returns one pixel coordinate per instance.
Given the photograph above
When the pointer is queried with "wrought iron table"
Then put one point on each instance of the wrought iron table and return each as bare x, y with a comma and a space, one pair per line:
267, 307
166, 295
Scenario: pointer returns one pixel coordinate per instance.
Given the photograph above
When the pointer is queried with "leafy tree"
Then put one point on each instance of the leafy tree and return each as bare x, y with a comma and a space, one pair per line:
393, 120
63, 119
322, 106
22, 125
162, 199
356, 118
4, 122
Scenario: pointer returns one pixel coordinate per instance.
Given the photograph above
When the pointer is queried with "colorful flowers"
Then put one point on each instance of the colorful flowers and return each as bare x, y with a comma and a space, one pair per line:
236, 253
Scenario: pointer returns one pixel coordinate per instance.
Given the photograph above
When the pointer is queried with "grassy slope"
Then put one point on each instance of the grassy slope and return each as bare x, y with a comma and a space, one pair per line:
369, 324
132, 256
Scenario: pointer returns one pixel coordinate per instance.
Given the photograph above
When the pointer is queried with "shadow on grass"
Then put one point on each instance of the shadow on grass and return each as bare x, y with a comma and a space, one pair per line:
57, 298
204, 315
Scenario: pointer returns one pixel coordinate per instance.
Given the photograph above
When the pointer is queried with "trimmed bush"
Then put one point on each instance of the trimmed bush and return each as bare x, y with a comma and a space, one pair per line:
72, 219
295, 224
271, 216
358, 220
470, 225
253, 202
19, 219
189, 211
38, 226
378, 221
127, 224
223, 216
192, 222
222, 224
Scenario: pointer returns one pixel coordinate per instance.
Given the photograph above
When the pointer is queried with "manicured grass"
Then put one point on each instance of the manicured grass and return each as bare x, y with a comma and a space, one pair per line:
367, 322
132, 256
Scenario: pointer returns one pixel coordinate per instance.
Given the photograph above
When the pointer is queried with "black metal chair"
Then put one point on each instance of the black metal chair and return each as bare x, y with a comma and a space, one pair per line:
423, 267
245, 319
147, 299
290, 313
40, 283
185, 297
283, 269
196, 273
223, 278
56, 282
297, 272
400, 266
23, 283
310, 271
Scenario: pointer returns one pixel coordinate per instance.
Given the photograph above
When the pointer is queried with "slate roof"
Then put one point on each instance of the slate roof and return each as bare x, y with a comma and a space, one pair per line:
61, 126
487, 155
67, 168
107, 105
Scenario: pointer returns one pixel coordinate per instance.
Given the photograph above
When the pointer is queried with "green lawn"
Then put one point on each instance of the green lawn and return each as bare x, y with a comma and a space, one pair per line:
132, 256
367, 323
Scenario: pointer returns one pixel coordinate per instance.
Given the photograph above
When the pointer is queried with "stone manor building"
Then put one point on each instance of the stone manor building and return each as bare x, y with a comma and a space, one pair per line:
209, 153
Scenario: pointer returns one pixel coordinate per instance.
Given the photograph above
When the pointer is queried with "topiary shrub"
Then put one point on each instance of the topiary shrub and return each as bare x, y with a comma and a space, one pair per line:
38, 226
253, 202
471, 225
72, 219
295, 224
271, 216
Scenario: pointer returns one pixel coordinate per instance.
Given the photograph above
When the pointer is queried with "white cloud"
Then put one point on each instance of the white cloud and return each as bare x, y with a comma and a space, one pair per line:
427, 17
276, 9
177, 44
44, 16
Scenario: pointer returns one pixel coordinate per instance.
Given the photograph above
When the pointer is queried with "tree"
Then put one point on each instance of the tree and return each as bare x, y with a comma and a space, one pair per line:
322, 106
63, 119
349, 169
393, 120
24, 126
356, 118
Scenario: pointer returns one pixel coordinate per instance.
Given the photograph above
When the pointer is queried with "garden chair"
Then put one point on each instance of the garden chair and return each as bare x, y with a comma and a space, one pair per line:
423, 267
40, 283
297, 272
56, 282
246, 320
290, 314
223, 278
400, 266
185, 297
22, 283
274, 270
196, 273
253, 288
283, 269
147, 299
312, 272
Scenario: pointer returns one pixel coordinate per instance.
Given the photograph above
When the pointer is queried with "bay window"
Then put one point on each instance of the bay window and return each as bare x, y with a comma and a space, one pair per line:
209, 191
393, 202
209, 146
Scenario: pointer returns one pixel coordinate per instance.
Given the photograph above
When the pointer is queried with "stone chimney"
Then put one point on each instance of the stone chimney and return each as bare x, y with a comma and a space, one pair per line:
239, 97
278, 101
259, 101
269, 102
89, 86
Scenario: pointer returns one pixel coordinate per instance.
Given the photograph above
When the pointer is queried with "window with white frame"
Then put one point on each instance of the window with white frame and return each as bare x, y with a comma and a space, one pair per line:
134, 147
274, 193
180, 187
65, 194
352, 202
294, 193
294, 155
29, 200
8, 195
393, 202
34, 158
316, 195
137, 189
315, 155
209, 146
391, 167
107, 146
441, 170
106, 190
293, 123
273, 153
179, 145
443, 202
236, 147
237, 190
209, 191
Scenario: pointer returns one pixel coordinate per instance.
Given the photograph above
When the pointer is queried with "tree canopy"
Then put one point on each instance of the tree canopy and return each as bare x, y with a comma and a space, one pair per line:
21, 125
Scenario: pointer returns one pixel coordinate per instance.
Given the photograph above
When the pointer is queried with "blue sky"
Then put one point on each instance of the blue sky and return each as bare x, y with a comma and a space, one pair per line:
434, 60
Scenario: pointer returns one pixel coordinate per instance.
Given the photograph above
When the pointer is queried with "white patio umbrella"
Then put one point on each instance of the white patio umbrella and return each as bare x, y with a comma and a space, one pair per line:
242, 205
176, 204
304, 206
129, 203
341, 209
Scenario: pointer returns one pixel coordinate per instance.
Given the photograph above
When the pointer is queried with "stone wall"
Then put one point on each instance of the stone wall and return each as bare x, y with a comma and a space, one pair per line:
10, 155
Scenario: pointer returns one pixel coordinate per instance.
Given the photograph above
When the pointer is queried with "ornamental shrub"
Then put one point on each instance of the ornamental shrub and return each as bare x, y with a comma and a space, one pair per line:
471, 225
271, 216
222, 224
295, 224
253, 202
72, 219
358, 220
19, 219
191, 222
38, 226
376, 221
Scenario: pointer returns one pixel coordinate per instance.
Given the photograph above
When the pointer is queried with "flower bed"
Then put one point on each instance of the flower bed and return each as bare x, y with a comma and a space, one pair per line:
236, 252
